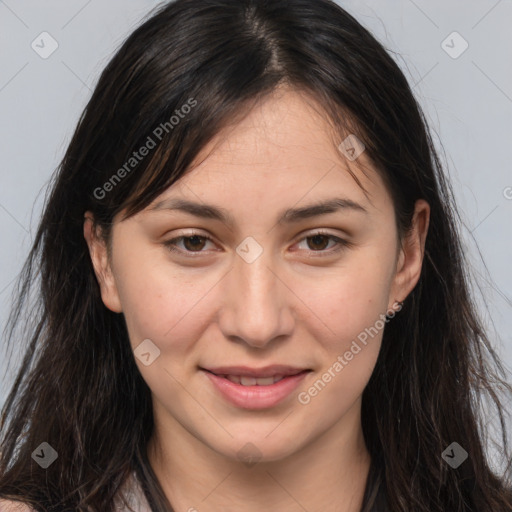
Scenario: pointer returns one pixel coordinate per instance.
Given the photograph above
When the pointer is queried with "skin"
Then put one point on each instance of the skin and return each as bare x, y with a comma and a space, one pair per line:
299, 303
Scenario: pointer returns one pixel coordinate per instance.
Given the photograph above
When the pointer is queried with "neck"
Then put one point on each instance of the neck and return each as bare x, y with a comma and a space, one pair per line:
328, 474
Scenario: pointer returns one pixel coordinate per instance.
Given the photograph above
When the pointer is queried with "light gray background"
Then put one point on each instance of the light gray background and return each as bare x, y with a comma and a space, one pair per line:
468, 101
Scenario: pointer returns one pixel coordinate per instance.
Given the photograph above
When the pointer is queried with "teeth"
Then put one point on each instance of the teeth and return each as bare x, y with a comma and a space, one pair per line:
249, 381
253, 381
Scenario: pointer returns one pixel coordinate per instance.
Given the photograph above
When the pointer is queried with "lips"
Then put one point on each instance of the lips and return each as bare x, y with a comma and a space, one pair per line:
255, 388
255, 396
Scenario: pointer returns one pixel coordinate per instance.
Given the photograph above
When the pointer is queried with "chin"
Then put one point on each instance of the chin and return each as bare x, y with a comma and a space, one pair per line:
250, 448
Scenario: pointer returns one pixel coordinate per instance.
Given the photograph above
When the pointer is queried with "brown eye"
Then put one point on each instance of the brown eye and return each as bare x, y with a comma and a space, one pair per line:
319, 242
191, 244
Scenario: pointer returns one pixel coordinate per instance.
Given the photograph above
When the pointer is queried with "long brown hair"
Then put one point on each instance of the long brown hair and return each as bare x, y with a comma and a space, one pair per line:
78, 387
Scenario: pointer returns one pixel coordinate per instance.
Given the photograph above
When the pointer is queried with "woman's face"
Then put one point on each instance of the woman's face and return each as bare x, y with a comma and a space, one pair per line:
264, 290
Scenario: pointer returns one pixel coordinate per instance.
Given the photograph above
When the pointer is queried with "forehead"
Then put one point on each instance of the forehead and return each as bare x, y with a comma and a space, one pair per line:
283, 155
286, 129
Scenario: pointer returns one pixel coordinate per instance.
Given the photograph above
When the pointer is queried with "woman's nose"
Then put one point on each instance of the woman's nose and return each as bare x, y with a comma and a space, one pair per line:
258, 305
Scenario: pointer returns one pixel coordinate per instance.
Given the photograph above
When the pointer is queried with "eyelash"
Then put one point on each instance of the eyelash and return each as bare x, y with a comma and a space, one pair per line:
171, 244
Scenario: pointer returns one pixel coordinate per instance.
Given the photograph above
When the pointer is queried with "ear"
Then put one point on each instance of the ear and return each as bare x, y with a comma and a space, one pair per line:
411, 254
102, 266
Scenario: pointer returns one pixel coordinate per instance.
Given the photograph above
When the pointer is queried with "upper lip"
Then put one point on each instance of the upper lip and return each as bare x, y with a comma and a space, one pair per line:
266, 371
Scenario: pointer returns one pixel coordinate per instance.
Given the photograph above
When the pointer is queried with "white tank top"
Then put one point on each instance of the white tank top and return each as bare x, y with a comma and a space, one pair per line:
134, 499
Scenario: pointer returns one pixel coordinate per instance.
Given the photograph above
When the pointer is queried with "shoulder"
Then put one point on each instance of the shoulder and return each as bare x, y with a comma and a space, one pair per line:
14, 506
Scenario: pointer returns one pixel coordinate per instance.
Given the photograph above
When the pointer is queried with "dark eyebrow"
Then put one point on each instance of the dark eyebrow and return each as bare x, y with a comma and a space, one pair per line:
289, 216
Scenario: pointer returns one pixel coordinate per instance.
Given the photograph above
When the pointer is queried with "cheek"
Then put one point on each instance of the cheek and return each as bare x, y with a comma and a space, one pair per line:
351, 303
350, 354
170, 308
162, 302
156, 308
351, 298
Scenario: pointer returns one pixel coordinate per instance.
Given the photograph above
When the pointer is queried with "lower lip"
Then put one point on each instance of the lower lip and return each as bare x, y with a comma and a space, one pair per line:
256, 397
